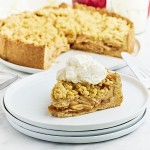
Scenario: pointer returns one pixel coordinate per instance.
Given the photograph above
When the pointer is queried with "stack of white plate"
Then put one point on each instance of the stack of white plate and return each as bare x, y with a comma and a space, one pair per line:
25, 105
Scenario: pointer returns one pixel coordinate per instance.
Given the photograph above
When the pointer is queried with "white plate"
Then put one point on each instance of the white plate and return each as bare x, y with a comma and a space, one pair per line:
69, 133
29, 98
19, 68
112, 63
78, 139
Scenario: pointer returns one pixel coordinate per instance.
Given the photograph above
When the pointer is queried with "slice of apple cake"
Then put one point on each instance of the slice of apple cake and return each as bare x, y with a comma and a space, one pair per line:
84, 86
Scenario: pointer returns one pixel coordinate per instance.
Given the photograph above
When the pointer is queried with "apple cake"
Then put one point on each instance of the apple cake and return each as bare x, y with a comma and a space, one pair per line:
35, 39
73, 97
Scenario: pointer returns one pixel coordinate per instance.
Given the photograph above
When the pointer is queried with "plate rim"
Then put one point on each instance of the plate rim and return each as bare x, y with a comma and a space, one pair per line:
73, 133
19, 67
79, 139
82, 127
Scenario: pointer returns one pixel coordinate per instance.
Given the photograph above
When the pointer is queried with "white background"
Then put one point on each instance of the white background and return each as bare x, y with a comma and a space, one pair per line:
10, 139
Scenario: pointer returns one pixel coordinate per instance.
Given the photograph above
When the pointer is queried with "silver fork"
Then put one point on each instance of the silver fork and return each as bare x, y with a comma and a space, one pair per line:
8, 82
141, 71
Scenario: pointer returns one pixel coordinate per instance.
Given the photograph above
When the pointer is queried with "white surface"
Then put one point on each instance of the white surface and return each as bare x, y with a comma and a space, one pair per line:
8, 7
63, 133
136, 10
5, 77
141, 71
10, 139
28, 100
79, 139
108, 61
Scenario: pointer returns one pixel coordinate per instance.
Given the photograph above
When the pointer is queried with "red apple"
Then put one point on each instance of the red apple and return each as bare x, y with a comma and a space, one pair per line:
149, 9
95, 3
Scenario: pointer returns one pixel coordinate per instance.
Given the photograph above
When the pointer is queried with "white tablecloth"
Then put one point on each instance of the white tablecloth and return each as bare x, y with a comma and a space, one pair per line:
10, 139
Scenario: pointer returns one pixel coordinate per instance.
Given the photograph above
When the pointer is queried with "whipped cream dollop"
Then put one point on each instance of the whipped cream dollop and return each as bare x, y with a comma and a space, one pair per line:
82, 68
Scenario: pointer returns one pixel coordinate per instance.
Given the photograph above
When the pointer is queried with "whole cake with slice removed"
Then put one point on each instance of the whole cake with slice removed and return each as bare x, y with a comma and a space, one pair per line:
35, 39
84, 86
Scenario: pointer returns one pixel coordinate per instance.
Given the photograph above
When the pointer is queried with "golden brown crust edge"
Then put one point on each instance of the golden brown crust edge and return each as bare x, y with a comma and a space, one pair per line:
28, 55
21, 53
2, 47
131, 41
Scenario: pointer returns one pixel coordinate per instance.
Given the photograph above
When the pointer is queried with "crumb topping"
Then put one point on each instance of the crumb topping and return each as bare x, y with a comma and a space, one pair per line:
69, 90
63, 24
